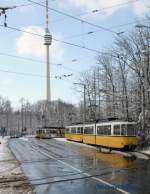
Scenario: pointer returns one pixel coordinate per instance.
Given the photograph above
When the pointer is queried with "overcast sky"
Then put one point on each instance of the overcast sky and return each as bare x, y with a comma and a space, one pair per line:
74, 60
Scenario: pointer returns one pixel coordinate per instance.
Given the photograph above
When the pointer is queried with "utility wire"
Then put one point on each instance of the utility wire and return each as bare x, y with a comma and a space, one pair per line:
35, 75
96, 11
75, 18
113, 6
24, 74
95, 31
57, 40
23, 58
37, 61
29, 4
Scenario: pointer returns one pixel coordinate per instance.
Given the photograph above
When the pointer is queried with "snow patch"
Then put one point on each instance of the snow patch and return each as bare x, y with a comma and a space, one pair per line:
23, 138
140, 155
146, 151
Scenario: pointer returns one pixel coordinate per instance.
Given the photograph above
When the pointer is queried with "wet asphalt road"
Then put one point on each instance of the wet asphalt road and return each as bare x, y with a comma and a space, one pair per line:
56, 167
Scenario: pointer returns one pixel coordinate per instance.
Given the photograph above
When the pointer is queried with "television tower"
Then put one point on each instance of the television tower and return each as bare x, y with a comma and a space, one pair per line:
47, 43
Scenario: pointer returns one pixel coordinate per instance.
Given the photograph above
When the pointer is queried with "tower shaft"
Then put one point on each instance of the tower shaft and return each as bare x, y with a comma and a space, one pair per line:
47, 43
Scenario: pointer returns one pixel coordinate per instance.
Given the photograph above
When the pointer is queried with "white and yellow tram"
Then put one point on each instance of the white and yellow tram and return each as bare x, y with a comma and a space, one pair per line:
111, 134
49, 132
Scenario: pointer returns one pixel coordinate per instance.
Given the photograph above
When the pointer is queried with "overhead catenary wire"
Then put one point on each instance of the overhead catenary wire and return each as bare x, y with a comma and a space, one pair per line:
38, 61
75, 18
29, 4
57, 40
62, 41
95, 31
96, 11
36, 75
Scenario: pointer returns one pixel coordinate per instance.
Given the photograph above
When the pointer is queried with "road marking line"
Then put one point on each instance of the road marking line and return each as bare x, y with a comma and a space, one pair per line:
78, 170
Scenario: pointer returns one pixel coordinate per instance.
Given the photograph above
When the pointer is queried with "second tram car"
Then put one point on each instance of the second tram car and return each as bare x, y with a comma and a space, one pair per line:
111, 134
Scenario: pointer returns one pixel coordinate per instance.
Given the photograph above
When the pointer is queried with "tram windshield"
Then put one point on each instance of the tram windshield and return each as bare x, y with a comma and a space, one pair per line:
128, 129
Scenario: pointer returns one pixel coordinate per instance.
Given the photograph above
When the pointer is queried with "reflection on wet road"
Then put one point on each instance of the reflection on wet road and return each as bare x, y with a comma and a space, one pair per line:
62, 167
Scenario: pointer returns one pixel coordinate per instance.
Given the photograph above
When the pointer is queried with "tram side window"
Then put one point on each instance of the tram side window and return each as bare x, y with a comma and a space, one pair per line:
81, 129
100, 130
78, 130
88, 130
73, 130
67, 130
107, 130
116, 129
123, 129
53, 131
104, 130
131, 129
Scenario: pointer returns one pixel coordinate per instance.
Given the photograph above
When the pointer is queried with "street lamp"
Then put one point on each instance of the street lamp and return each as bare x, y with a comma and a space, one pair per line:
84, 86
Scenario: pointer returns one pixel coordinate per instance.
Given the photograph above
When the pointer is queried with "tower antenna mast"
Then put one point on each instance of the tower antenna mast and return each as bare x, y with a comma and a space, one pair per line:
47, 43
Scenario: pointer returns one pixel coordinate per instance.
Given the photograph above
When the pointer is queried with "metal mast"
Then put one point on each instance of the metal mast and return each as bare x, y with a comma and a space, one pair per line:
47, 43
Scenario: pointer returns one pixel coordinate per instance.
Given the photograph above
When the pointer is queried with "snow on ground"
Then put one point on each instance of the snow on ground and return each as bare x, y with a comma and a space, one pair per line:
140, 155
24, 138
12, 179
146, 151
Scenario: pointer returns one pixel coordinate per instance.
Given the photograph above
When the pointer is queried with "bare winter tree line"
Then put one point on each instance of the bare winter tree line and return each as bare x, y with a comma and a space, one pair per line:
118, 85
28, 117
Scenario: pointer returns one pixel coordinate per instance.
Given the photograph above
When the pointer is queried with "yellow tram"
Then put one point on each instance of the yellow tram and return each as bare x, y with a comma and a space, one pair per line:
111, 134
49, 132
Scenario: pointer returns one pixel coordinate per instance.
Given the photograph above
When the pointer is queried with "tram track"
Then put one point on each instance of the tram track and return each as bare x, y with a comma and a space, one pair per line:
131, 154
56, 167
73, 156
85, 174
59, 147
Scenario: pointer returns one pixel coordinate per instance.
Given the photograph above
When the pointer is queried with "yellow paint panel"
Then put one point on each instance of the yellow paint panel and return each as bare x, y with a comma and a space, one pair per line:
116, 141
89, 139
39, 135
74, 137
67, 135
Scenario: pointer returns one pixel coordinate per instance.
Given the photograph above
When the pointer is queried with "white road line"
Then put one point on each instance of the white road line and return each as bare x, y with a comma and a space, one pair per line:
78, 170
